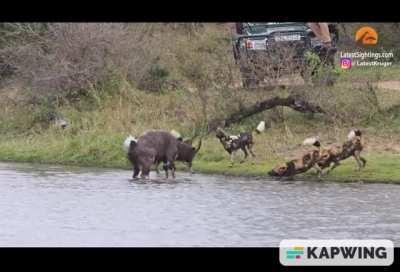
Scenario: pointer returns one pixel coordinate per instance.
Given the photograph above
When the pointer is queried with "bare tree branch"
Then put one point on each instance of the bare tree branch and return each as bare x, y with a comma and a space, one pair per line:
296, 103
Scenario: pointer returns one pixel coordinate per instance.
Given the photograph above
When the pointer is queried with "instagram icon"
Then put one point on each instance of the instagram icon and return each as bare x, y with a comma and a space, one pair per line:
345, 63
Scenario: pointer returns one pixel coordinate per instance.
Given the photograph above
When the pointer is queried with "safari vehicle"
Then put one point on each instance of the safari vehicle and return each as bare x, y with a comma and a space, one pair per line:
269, 50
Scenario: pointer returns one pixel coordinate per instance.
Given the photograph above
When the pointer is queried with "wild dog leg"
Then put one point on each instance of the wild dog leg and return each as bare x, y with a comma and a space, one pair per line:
336, 164
232, 155
250, 147
245, 154
319, 170
359, 164
360, 161
364, 161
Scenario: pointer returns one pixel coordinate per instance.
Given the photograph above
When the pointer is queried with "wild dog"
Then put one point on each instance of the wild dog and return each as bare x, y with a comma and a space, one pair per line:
186, 152
151, 147
296, 166
243, 141
336, 153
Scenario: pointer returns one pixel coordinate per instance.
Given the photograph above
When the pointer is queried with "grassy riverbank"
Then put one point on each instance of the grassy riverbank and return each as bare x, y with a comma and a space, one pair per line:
193, 81
104, 150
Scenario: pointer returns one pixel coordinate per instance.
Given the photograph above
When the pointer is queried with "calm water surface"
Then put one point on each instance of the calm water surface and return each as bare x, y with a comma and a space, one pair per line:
43, 205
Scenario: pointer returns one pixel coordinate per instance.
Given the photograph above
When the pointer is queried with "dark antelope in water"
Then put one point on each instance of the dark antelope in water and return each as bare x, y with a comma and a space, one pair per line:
150, 148
186, 152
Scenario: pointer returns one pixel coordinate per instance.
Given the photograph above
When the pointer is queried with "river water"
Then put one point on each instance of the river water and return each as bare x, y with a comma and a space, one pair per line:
42, 205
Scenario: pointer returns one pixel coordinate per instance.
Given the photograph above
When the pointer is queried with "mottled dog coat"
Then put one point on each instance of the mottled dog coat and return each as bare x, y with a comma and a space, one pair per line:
243, 141
296, 166
323, 157
336, 153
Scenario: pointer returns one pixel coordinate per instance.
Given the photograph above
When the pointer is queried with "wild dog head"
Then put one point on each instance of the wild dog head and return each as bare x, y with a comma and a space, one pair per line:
282, 170
353, 134
296, 166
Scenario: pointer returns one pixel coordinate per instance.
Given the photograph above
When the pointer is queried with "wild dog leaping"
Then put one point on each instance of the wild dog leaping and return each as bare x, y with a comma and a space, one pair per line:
296, 166
331, 156
336, 153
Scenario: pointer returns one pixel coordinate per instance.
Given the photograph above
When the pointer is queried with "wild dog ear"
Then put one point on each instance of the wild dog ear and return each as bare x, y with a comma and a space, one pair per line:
351, 135
315, 141
357, 132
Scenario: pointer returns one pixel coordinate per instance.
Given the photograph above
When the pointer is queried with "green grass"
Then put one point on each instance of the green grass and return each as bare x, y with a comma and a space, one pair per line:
383, 168
85, 150
104, 150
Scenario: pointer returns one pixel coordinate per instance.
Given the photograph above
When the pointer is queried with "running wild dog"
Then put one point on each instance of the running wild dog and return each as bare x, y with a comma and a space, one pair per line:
322, 158
336, 153
152, 147
302, 164
296, 166
243, 141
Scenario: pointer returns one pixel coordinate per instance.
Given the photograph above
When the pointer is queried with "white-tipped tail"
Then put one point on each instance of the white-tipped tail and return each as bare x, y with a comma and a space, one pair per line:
127, 143
176, 134
261, 127
311, 140
351, 135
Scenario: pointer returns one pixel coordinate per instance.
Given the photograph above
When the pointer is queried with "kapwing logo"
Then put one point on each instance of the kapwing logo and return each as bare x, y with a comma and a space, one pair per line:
336, 252
295, 253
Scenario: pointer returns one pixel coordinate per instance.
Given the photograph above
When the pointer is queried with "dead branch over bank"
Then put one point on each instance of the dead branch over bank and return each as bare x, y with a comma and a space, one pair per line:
296, 103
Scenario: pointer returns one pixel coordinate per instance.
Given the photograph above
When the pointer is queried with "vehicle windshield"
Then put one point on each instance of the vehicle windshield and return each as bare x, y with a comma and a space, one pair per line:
261, 27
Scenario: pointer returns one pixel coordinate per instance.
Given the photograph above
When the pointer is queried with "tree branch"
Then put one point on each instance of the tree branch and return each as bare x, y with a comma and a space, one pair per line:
296, 103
